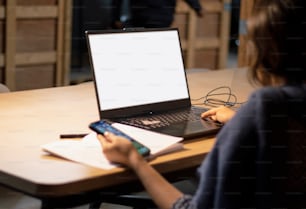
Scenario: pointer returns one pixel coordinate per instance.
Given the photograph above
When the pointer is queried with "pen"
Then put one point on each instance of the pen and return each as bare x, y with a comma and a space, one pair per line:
70, 136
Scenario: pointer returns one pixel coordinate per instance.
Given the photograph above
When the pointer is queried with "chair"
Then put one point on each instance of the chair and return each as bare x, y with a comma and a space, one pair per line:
3, 88
134, 201
141, 200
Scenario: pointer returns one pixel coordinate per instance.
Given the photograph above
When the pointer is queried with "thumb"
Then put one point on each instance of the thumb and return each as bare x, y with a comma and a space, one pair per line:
104, 140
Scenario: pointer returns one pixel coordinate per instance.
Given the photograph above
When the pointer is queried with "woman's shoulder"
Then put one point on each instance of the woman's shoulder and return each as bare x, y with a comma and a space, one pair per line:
290, 98
275, 94
264, 95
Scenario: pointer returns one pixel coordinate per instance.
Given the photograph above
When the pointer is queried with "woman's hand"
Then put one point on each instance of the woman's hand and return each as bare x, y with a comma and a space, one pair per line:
119, 150
221, 114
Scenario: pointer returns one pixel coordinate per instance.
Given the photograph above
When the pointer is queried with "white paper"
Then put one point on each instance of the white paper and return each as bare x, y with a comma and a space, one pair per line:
88, 150
155, 141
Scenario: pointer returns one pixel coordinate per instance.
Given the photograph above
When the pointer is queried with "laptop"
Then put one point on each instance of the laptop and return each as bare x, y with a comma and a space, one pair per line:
140, 80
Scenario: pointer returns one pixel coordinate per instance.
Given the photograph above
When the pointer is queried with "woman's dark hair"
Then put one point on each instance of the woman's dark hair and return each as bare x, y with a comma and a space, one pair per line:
277, 30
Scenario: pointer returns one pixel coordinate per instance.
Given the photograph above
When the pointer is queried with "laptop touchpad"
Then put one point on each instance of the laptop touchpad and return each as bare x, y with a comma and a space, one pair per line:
183, 128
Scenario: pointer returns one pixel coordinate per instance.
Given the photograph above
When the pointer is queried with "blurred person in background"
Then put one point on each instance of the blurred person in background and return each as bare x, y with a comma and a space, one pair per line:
147, 13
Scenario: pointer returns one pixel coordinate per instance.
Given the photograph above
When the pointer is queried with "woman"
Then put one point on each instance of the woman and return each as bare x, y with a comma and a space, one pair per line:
247, 166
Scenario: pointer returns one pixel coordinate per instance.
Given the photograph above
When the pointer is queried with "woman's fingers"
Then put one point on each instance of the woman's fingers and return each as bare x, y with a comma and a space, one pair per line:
208, 113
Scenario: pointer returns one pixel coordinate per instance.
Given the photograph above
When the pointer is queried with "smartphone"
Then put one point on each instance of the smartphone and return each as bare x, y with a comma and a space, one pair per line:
103, 126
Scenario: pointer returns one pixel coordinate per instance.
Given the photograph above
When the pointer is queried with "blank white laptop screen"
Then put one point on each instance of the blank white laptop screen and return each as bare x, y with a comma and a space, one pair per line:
137, 68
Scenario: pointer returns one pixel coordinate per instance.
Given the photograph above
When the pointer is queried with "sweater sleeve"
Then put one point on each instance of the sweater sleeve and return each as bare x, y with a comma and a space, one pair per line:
184, 202
226, 173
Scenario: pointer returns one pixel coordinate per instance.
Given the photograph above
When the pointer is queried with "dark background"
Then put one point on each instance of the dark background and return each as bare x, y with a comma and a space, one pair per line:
96, 15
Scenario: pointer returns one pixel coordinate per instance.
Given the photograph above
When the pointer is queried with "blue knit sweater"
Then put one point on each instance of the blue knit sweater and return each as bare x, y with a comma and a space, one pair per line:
249, 165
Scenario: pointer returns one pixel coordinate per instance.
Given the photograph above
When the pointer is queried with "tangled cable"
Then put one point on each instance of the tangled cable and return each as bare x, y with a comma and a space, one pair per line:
211, 98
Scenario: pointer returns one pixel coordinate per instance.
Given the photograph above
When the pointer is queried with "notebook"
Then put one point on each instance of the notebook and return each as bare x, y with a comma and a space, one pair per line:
140, 80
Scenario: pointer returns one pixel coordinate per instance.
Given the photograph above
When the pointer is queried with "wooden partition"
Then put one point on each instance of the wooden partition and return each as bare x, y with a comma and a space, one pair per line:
245, 12
35, 38
205, 40
34, 43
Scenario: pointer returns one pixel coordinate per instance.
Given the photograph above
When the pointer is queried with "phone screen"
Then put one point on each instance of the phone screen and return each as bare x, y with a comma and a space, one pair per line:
103, 126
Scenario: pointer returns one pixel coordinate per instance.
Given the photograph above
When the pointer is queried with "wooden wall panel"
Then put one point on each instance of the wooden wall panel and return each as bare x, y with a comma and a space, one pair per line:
180, 22
25, 75
35, 40
36, 35
1, 74
2, 30
204, 40
36, 2
206, 55
206, 58
10, 44
208, 26
2, 46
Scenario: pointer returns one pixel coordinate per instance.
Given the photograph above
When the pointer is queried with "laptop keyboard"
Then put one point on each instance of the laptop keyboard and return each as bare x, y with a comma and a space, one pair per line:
165, 119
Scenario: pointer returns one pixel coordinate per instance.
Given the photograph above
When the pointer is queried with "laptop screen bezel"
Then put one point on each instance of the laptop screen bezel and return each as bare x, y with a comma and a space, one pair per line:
147, 109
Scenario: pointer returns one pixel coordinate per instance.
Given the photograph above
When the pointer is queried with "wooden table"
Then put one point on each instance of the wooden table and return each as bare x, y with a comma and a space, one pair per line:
32, 118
